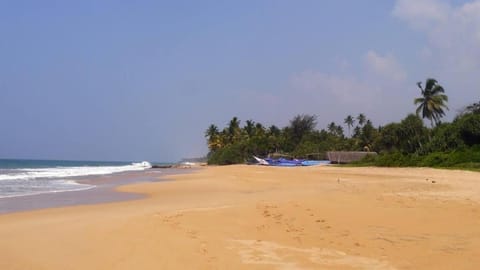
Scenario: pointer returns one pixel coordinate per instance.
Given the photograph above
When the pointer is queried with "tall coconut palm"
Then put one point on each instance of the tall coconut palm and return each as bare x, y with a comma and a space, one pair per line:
249, 128
259, 130
339, 131
274, 134
234, 130
349, 121
213, 137
361, 119
332, 127
432, 102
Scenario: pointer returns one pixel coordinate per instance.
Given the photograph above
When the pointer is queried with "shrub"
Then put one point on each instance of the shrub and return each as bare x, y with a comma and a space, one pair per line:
469, 128
228, 155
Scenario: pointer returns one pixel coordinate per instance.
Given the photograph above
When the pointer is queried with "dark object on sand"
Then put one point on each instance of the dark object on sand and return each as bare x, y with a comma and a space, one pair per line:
161, 166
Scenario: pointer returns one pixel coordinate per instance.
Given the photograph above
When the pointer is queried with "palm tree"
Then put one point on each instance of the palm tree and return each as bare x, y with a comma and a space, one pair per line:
357, 131
432, 102
349, 121
332, 128
249, 128
259, 130
339, 131
213, 137
234, 130
361, 119
274, 134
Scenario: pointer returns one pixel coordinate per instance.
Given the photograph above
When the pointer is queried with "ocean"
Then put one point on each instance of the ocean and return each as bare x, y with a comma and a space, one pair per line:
29, 177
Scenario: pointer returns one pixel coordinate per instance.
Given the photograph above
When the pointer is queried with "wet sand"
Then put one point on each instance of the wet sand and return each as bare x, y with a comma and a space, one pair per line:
102, 192
251, 217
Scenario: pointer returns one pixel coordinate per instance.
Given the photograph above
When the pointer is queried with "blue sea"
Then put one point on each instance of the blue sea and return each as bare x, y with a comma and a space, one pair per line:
29, 177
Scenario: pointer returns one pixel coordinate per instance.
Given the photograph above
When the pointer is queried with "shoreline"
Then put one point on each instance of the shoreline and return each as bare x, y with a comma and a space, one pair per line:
244, 217
103, 190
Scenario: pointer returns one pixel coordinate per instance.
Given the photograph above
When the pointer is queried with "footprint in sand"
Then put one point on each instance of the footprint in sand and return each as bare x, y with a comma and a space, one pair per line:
172, 220
261, 227
204, 252
289, 257
192, 234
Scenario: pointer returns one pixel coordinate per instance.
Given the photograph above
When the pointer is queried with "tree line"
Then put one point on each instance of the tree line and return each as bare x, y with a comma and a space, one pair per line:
397, 143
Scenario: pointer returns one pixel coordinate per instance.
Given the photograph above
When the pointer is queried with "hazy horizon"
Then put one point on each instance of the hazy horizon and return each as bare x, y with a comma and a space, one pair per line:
113, 81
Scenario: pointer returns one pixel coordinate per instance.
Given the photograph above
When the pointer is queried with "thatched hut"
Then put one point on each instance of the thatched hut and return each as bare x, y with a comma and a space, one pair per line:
340, 157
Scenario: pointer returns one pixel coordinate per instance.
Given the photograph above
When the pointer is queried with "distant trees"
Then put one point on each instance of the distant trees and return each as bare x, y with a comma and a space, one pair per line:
302, 125
432, 102
472, 108
389, 138
404, 143
367, 136
300, 139
335, 130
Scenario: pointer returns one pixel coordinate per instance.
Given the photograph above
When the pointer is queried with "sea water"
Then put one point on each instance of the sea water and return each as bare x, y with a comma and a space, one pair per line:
30, 177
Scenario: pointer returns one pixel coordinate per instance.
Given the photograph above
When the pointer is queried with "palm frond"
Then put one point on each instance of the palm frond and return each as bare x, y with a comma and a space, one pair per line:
418, 100
430, 84
419, 109
437, 89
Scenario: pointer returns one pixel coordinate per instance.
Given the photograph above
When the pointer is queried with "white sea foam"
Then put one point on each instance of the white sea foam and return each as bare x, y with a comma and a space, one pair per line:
66, 172
31, 181
55, 186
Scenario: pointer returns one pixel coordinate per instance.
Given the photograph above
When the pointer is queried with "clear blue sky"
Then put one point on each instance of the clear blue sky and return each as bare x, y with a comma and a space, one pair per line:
142, 80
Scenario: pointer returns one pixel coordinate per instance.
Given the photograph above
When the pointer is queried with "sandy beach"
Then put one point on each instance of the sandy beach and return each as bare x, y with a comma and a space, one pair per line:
253, 217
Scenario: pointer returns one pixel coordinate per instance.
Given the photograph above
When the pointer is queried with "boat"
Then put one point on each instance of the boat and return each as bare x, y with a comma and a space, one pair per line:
283, 162
261, 161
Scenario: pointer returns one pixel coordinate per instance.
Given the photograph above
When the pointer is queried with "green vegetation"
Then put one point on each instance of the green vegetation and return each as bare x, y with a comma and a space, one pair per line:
406, 143
467, 158
432, 101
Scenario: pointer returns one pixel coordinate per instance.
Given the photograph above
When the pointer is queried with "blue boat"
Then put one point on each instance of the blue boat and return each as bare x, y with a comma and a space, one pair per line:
315, 162
283, 162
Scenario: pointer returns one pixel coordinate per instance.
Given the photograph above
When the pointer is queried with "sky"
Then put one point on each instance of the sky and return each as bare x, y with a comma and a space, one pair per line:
142, 80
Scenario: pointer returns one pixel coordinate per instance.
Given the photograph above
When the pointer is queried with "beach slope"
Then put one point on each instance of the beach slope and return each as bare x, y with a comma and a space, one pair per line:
253, 217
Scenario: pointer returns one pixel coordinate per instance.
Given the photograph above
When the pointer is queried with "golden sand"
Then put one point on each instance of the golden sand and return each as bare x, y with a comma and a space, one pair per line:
251, 217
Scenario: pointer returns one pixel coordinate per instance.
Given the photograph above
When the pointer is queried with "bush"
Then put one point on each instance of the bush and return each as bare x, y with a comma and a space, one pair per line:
394, 159
468, 158
445, 138
232, 154
469, 128
434, 160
